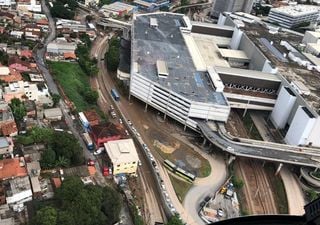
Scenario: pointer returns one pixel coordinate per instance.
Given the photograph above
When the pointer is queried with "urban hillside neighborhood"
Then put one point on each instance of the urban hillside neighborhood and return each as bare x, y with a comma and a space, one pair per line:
150, 112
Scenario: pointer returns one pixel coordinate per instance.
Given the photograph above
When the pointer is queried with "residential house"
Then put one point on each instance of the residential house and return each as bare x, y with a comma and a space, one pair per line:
6, 17
30, 108
69, 56
103, 133
12, 168
29, 5
53, 114
6, 3
34, 170
32, 32
24, 90
123, 155
18, 190
9, 75
26, 54
16, 34
16, 63
6, 146
36, 77
8, 125
60, 46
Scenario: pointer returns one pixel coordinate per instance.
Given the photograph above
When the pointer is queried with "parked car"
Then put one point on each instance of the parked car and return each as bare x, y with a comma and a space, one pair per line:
127, 132
120, 121
220, 212
90, 162
98, 151
129, 122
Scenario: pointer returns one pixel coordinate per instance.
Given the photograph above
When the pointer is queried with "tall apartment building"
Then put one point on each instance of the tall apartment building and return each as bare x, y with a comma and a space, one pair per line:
220, 6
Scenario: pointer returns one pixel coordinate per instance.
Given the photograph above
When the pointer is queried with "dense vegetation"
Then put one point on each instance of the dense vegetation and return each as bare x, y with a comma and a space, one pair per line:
175, 220
60, 11
113, 54
77, 204
89, 66
62, 148
18, 109
4, 58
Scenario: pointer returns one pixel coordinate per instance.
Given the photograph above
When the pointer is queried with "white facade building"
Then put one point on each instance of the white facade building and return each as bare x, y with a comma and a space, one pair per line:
60, 46
6, 3
283, 107
19, 191
301, 127
32, 6
167, 74
290, 16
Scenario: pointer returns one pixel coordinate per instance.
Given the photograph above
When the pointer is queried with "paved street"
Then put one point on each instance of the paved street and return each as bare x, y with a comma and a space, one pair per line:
39, 57
294, 193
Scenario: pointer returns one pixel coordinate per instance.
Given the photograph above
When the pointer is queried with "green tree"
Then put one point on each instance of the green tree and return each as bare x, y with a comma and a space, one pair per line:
41, 135
90, 96
104, 2
111, 205
55, 99
72, 4
4, 58
66, 145
48, 158
58, 10
18, 109
62, 162
46, 216
175, 220
89, 18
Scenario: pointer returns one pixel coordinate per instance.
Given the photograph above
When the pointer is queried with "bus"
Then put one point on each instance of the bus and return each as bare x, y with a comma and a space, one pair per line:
115, 94
83, 120
87, 139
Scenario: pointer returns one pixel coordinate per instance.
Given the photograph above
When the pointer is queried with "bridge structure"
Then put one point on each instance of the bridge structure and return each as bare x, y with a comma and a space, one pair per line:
112, 23
216, 134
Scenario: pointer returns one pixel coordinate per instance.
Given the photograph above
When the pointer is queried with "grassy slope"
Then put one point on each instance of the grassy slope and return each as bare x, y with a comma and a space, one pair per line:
72, 79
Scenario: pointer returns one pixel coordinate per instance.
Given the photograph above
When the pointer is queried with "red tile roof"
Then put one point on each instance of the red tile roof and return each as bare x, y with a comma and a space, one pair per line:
9, 128
93, 117
56, 182
10, 168
26, 53
69, 55
107, 130
12, 77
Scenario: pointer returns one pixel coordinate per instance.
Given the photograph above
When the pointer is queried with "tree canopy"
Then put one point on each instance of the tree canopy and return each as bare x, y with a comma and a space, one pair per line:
113, 54
18, 109
175, 220
77, 204
63, 149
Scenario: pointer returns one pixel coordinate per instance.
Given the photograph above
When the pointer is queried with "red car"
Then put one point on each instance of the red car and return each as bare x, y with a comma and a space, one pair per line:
105, 171
91, 162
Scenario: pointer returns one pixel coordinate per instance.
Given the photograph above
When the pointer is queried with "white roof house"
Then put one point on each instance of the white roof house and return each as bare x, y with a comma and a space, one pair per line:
4, 71
53, 114
121, 151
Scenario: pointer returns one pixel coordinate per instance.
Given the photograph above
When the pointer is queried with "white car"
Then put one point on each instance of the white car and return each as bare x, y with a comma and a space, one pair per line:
139, 163
120, 121
99, 151
229, 148
127, 132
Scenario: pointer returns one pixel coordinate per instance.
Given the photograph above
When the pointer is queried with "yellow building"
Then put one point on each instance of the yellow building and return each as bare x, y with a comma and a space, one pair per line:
123, 155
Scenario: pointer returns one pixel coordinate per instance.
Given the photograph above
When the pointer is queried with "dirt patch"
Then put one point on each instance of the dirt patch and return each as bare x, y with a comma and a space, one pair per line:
165, 148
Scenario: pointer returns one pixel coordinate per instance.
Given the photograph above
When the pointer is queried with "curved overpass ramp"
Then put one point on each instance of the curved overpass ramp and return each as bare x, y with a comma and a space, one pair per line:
257, 149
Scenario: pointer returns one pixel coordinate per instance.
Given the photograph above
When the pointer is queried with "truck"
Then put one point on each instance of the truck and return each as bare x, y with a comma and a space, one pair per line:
115, 94
87, 139
83, 120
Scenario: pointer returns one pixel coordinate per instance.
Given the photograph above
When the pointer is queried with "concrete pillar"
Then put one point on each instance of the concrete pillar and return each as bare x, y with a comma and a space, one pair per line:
129, 98
231, 159
264, 162
278, 169
164, 116
185, 127
204, 141
146, 107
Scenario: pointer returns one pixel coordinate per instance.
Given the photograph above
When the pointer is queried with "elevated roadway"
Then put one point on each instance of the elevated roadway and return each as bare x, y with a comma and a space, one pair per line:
216, 134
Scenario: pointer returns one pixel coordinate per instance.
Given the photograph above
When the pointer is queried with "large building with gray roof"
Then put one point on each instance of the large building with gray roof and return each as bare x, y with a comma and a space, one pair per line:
164, 74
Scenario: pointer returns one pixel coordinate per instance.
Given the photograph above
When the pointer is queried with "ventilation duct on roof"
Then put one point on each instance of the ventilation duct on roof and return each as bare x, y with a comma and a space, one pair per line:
162, 69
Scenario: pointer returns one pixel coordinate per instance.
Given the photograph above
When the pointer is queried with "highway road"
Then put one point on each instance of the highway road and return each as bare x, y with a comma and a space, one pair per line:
260, 150
104, 83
